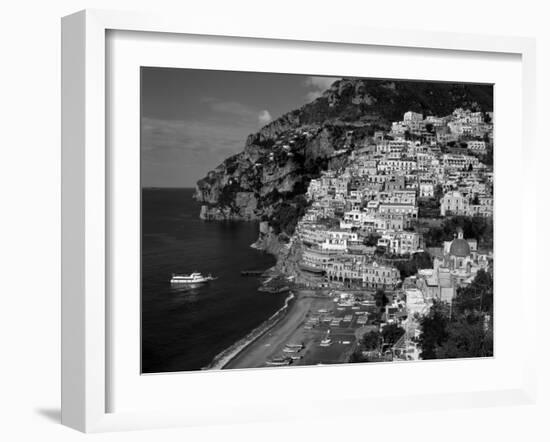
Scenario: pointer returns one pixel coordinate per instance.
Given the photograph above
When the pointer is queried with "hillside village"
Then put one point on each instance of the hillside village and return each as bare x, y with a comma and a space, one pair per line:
377, 200
376, 223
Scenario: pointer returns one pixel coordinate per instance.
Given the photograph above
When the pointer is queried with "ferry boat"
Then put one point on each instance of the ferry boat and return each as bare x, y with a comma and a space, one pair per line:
193, 278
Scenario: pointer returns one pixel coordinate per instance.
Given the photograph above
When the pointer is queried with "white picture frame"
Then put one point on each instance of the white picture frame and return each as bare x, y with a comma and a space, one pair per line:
86, 202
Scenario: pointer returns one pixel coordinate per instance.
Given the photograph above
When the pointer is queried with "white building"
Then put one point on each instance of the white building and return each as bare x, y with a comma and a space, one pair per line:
412, 116
477, 146
455, 203
400, 243
358, 218
409, 210
459, 162
426, 189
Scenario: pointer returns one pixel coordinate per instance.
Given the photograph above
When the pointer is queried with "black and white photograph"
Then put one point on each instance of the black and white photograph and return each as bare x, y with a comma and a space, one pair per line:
246, 221
292, 220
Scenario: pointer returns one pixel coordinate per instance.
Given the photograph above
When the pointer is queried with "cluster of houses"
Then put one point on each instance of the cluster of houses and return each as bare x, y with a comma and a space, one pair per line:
461, 123
362, 217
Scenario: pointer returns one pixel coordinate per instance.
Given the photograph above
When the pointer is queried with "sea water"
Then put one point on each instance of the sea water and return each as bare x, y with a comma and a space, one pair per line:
184, 328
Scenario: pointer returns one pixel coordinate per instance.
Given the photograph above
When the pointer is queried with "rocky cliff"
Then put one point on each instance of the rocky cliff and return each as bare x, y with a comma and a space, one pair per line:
267, 180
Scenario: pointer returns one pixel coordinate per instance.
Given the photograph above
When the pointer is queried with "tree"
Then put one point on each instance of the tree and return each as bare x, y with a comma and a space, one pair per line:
357, 357
391, 333
477, 296
420, 260
286, 214
473, 227
371, 240
438, 192
468, 332
428, 207
487, 158
467, 338
381, 299
371, 340
433, 328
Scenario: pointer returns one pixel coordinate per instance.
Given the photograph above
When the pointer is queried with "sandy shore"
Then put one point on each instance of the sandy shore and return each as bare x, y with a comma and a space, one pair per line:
223, 358
291, 329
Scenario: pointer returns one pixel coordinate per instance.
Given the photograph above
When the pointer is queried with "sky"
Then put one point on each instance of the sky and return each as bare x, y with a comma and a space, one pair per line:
192, 120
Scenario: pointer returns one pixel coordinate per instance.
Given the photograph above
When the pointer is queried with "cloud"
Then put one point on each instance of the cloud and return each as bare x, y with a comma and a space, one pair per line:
264, 117
313, 95
240, 111
320, 82
184, 150
317, 86
230, 107
179, 152
190, 135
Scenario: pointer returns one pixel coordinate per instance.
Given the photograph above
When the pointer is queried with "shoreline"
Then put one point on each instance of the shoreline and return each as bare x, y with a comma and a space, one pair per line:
229, 354
293, 329
289, 324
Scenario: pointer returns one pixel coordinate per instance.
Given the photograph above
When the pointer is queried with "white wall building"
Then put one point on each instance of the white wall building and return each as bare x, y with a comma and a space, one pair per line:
455, 203
477, 146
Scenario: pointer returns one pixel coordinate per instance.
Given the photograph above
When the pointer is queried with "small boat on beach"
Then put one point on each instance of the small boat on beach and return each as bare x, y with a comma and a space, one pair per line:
193, 278
345, 304
278, 362
327, 341
367, 302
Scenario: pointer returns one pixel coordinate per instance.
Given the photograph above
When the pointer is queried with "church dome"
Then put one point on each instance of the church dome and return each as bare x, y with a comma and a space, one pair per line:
460, 248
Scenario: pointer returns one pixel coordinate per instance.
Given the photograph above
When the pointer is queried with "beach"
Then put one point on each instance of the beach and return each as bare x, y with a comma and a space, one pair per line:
295, 327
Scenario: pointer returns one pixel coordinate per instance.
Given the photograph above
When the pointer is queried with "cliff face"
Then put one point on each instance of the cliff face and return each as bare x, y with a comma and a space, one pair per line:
267, 180
275, 166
